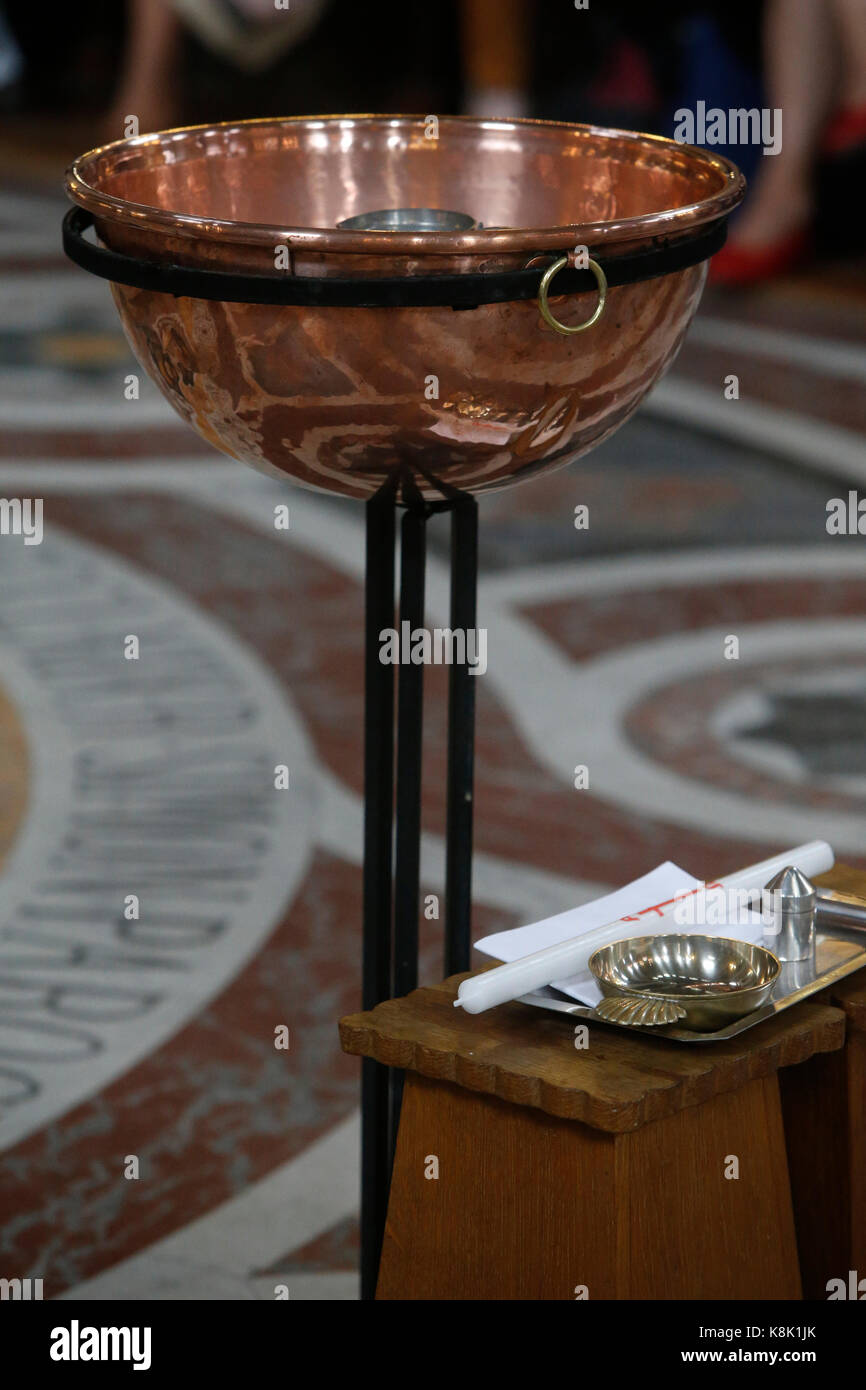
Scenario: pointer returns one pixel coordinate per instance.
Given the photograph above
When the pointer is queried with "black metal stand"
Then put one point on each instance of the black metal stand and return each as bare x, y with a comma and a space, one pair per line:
390, 952
378, 810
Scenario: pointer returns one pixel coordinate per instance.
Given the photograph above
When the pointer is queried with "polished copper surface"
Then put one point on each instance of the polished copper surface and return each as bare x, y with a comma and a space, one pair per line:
341, 399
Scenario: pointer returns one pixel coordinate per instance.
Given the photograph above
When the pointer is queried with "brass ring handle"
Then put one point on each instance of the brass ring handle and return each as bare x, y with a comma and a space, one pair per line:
544, 289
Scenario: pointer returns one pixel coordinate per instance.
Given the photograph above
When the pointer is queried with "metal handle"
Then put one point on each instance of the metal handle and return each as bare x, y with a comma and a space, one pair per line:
544, 290
835, 909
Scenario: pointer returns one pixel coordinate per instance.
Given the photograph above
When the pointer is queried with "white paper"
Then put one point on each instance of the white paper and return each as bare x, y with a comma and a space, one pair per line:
639, 902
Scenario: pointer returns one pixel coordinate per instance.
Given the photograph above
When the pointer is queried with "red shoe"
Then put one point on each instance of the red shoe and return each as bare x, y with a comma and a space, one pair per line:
742, 266
846, 131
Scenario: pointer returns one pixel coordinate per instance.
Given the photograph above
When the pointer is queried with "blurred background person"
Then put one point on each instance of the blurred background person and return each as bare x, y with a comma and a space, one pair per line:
177, 62
806, 58
814, 56
247, 34
171, 62
496, 42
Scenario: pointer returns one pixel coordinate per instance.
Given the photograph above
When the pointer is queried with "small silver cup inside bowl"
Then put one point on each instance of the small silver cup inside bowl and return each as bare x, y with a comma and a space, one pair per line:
409, 220
711, 979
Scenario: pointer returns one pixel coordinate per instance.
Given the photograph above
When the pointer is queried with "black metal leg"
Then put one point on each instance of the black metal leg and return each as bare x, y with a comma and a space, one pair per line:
391, 958
461, 742
410, 711
410, 720
378, 819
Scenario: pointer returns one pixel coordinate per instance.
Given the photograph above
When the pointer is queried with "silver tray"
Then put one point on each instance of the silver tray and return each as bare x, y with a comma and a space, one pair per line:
837, 953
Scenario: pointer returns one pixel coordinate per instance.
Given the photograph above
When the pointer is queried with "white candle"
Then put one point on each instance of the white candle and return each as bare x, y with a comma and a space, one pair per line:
571, 957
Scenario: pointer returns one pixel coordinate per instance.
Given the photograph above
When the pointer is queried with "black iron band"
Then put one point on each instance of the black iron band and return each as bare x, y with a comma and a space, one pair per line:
411, 291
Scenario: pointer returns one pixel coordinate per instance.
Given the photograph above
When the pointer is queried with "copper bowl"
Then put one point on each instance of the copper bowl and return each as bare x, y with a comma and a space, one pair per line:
341, 399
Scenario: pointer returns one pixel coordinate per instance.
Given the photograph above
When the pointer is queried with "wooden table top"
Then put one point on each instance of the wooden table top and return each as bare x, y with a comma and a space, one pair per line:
618, 1083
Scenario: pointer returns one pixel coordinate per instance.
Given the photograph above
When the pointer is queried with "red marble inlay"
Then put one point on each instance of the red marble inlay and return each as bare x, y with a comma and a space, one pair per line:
674, 724
588, 625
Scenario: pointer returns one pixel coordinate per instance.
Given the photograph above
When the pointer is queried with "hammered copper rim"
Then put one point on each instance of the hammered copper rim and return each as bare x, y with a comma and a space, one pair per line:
86, 180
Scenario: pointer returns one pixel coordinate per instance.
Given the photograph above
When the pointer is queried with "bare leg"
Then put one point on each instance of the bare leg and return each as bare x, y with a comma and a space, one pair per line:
801, 70
851, 27
145, 88
495, 44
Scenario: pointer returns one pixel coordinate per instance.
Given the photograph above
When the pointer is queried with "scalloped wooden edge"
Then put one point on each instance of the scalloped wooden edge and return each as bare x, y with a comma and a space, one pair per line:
803, 1031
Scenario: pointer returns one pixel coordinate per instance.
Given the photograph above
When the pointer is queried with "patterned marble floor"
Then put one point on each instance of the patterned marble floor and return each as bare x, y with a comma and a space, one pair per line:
151, 1036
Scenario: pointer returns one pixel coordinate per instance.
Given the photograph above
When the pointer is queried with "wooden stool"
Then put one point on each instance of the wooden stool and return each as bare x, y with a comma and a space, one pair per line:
529, 1168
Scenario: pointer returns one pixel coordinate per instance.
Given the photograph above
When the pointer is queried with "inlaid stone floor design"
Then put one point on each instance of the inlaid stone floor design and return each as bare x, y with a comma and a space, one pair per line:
152, 1035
